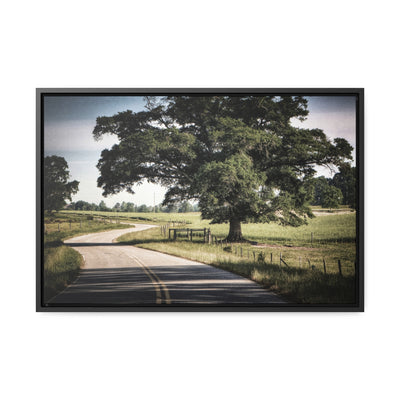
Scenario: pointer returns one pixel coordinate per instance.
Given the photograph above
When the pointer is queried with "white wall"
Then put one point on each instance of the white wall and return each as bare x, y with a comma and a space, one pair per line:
207, 44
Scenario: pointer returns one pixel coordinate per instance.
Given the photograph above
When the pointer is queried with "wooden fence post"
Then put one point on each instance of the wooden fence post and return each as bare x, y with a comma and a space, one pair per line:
58, 227
324, 265
254, 255
271, 258
340, 267
312, 237
299, 262
280, 259
241, 252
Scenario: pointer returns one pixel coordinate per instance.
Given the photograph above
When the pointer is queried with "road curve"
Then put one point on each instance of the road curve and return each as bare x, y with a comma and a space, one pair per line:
115, 274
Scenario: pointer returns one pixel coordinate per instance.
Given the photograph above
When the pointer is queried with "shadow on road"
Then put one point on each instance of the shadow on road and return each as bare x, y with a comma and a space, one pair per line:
71, 244
186, 284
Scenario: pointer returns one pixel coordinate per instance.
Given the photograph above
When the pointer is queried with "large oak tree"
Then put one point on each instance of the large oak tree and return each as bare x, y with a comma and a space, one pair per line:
238, 156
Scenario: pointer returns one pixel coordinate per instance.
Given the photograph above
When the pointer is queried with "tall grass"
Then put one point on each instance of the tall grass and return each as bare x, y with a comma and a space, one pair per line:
61, 267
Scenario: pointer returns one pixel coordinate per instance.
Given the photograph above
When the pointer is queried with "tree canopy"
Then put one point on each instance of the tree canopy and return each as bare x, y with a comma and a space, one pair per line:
55, 183
238, 156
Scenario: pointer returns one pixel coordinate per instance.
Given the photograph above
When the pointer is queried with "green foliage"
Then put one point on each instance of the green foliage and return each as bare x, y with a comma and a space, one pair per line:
55, 183
239, 157
143, 208
320, 185
326, 194
103, 206
346, 181
84, 205
332, 197
185, 207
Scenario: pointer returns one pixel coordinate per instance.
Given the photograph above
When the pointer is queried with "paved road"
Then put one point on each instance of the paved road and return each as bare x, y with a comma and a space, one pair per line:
127, 275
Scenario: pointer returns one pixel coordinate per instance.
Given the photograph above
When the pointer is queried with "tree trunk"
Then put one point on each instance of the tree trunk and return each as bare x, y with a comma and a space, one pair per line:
235, 231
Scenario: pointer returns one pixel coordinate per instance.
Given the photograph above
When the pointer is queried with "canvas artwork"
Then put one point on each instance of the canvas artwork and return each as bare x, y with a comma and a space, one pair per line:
200, 199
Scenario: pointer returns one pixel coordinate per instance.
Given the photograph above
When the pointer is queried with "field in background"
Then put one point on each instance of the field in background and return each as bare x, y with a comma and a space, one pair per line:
330, 228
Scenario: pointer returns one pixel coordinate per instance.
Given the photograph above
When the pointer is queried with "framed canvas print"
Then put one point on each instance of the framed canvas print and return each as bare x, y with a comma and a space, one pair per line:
200, 199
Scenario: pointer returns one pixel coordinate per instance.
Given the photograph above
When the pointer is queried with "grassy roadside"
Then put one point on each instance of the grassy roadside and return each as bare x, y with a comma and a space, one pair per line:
62, 263
61, 267
299, 284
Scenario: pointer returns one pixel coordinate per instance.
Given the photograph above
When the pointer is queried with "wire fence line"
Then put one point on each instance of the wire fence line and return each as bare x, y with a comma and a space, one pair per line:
258, 256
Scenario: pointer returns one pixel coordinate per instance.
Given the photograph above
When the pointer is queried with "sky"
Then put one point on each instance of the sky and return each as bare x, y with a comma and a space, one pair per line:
69, 123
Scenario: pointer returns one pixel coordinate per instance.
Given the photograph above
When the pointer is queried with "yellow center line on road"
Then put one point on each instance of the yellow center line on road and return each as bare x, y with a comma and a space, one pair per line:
157, 282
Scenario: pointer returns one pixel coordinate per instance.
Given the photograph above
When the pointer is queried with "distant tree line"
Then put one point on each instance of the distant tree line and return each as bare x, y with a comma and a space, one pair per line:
341, 189
182, 207
328, 193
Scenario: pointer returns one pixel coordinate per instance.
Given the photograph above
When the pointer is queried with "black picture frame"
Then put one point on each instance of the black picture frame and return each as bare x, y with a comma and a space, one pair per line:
358, 306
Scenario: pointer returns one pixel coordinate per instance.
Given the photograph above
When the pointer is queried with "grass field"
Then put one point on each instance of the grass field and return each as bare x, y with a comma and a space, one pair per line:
330, 228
